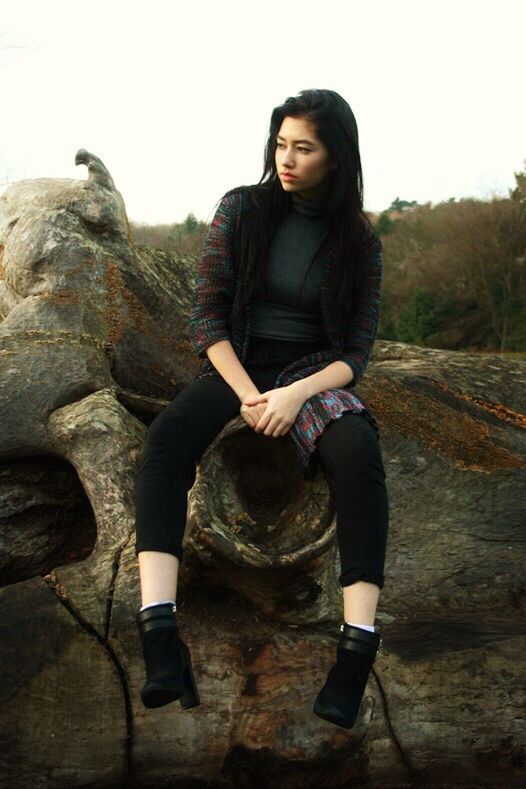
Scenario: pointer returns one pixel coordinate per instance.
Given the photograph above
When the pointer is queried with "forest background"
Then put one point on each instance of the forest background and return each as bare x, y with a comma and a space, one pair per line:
454, 272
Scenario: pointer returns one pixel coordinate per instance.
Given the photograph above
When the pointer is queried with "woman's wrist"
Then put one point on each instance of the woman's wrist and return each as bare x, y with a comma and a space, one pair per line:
301, 388
248, 393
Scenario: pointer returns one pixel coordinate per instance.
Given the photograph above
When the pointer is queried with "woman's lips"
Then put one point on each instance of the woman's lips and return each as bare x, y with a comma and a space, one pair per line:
288, 176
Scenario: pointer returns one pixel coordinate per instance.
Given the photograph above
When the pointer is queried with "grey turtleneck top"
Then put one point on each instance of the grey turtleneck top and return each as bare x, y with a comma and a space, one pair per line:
291, 311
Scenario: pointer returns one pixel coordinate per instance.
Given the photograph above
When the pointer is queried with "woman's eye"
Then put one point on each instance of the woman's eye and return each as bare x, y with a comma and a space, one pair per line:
305, 150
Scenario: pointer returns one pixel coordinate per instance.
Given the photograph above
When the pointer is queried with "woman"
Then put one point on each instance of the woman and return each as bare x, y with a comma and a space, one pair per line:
285, 313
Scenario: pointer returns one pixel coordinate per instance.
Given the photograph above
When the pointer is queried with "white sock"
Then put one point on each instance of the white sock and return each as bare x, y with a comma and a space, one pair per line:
364, 627
159, 602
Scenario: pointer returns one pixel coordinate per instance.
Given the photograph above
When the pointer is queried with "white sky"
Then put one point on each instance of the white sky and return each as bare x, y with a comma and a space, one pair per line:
175, 97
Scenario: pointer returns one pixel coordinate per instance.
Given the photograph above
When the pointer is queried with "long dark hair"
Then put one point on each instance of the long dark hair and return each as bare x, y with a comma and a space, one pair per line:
268, 203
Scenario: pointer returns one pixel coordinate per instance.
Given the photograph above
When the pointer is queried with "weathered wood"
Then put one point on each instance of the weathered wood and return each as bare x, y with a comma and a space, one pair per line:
93, 345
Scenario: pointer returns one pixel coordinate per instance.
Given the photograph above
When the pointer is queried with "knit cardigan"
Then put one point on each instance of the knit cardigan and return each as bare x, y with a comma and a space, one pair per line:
216, 315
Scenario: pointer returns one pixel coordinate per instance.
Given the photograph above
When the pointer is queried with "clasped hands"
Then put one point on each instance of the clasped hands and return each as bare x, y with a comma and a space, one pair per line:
272, 412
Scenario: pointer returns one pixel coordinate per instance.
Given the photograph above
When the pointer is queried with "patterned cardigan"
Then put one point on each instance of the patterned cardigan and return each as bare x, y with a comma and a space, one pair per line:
216, 294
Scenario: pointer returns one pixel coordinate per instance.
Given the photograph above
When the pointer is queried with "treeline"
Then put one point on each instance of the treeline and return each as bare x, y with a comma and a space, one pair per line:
454, 273
184, 237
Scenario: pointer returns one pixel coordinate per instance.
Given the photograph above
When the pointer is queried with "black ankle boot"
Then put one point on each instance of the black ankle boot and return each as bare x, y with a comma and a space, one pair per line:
169, 674
339, 699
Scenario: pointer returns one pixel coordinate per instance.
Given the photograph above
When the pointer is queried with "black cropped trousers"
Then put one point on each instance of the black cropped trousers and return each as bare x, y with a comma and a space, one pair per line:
349, 453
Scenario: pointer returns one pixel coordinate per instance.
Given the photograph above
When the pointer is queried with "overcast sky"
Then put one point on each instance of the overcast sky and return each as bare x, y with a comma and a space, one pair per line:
175, 97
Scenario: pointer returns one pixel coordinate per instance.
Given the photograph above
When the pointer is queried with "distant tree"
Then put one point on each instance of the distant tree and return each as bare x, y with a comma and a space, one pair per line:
190, 224
519, 193
419, 318
402, 205
384, 224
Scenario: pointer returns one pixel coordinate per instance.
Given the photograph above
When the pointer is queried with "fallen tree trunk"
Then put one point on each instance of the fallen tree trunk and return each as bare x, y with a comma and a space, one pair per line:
93, 347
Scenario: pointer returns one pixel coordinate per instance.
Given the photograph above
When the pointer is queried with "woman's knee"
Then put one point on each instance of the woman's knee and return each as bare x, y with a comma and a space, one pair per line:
350, 443
191, 421
177, 419
162, 428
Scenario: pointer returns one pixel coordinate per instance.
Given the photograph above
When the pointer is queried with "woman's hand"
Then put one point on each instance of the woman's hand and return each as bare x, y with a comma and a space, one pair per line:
282, 406
252, 413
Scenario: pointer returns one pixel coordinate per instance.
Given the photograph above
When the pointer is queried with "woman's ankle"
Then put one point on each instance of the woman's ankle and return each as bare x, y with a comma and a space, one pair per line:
159, 602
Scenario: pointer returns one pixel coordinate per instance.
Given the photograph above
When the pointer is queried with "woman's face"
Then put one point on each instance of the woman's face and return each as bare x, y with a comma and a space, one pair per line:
300, 153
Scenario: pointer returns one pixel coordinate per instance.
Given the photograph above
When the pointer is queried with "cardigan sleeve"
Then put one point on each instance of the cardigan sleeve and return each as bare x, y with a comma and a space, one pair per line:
362, 333
214, 288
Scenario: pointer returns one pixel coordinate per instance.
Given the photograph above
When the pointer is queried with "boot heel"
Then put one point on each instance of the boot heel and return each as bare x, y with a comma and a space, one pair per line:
190, 697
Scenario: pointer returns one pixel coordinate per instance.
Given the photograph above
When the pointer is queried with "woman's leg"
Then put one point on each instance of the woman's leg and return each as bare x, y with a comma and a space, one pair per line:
351, 458
176, 439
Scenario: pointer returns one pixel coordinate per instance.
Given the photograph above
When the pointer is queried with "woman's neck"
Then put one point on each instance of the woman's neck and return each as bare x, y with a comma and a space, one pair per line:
312, 208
